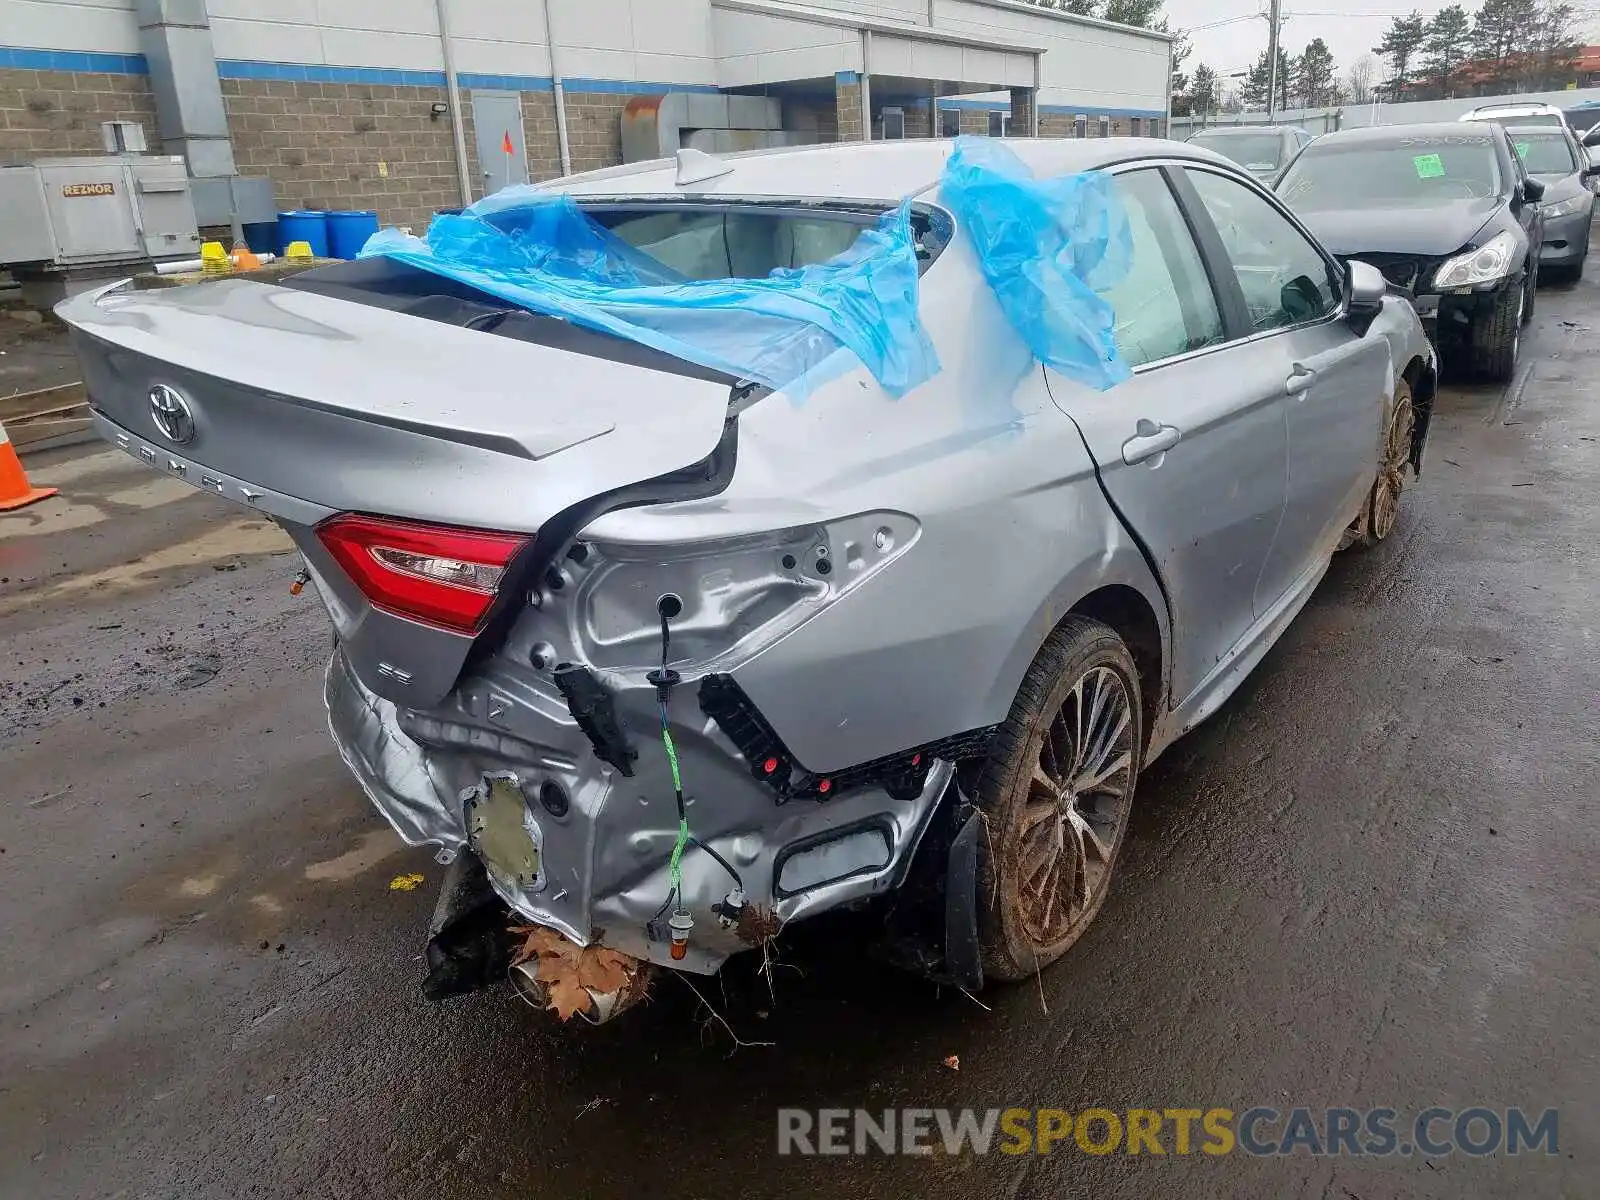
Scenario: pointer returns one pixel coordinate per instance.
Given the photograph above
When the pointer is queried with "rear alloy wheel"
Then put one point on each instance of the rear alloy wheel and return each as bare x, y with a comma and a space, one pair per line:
1383, 506
1056, 793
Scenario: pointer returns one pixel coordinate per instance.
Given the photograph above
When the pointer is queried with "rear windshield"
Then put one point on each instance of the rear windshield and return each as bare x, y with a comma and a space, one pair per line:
703, 241
1544, 153
1333, 174
1254, 151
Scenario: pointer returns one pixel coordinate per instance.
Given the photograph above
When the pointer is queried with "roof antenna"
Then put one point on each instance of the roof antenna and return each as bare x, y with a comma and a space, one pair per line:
696, 166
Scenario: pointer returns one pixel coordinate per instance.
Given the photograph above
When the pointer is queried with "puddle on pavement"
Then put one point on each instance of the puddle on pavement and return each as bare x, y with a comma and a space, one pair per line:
233, 540
370, 851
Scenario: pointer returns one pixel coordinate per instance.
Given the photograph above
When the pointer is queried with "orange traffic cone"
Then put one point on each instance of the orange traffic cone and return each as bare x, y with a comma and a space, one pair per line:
15, 491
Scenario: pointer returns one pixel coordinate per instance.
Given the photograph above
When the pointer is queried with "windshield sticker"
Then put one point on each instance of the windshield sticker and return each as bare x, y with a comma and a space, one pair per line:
1429, 166
1522, 149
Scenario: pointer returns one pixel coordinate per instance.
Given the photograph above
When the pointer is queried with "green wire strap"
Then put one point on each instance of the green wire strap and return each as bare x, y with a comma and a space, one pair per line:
676, 868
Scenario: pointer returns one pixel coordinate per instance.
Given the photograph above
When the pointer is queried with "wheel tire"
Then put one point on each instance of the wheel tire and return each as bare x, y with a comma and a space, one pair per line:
1030, 915
1382, 509
1497, 340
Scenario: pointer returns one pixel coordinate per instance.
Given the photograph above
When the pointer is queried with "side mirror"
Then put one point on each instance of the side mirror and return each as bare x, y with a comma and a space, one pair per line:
1590, 172
1592, 138
1365, 288
1532, 191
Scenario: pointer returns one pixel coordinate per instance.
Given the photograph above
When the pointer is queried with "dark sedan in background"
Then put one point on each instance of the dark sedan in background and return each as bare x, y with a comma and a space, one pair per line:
1555, 159
1447, 213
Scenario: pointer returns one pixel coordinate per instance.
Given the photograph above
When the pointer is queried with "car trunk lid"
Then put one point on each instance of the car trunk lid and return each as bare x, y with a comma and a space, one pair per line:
358, 408
302, 405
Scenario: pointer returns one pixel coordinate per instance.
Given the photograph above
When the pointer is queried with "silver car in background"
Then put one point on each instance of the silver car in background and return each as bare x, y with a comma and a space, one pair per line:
1555, 158
1263, 150
910, 652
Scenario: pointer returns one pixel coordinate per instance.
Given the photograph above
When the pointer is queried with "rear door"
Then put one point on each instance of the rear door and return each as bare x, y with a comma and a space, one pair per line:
1331, 381
1192, 450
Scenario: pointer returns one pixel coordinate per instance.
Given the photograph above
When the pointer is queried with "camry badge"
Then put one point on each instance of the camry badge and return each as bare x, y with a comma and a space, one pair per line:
171, 414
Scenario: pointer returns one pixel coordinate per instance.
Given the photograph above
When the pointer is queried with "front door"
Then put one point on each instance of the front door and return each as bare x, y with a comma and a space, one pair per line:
502, 152
1333, 382
1192, 450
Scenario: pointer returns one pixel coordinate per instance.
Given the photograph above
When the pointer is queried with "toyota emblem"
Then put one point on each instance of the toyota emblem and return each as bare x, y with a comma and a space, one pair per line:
171, 414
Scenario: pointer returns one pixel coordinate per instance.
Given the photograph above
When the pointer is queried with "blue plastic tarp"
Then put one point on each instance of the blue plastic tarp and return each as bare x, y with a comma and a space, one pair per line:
1046, 247
538, 250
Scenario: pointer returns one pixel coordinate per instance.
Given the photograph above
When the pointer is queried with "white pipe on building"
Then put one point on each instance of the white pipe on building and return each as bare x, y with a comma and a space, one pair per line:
1038, 87
866, 85
458, 129
558, 92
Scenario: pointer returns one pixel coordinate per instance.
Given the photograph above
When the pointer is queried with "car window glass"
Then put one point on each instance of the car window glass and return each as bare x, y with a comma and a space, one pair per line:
1164, 305
1544, 153
714, 244
1285, 279
1255, 151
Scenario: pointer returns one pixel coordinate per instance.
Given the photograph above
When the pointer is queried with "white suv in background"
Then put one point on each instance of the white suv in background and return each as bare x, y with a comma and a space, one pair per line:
1519, 114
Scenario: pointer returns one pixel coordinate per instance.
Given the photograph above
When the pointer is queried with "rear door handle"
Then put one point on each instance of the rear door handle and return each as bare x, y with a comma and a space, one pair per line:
1149, 440
1301, 377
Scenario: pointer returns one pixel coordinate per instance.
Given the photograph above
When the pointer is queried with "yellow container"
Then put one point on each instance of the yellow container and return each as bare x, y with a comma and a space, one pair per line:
214, 259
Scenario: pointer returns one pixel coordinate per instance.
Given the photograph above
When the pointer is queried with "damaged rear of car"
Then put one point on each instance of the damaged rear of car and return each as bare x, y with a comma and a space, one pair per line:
736, 562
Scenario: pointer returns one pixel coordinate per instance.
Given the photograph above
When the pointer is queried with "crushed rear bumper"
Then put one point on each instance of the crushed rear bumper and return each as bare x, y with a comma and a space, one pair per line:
604, 848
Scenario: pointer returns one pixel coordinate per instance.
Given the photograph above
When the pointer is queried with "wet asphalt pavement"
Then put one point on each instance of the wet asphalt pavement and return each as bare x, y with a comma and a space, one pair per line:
1371, 880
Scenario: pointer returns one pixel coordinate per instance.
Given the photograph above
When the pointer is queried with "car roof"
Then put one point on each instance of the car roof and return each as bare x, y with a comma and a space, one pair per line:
1530, 107
1389, 135
871, 171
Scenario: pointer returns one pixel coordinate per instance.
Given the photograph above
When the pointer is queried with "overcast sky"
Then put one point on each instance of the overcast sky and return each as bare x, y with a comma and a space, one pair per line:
1234, 47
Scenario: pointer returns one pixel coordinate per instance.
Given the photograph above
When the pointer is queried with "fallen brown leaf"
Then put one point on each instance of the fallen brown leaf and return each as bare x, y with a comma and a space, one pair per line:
603, 970
567, 996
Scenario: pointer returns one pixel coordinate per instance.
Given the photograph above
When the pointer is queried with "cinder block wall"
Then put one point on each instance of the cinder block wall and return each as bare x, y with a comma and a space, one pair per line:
594, 129
347, 145
59, 112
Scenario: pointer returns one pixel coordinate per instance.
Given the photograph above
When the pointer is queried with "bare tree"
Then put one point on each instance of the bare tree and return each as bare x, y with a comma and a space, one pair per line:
1358, 84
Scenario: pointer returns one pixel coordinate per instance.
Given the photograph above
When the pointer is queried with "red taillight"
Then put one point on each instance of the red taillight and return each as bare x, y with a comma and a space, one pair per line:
435, 574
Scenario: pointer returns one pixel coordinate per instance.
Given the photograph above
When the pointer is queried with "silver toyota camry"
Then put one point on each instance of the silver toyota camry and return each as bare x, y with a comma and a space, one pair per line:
661, 657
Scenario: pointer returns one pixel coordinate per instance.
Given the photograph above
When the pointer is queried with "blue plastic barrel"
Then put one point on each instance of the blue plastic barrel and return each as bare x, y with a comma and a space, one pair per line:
304, 225
261, 236
349, 231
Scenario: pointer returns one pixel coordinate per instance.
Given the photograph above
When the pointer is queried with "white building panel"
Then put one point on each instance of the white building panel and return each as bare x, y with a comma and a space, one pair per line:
498, 21
1093, 65
938, 60
60, 25
892, 56
382, 16
912, 11
681, 27
485, 56
809, 62
585, 63
368, 48
592, 25
265, 41
675, 68
294, 12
